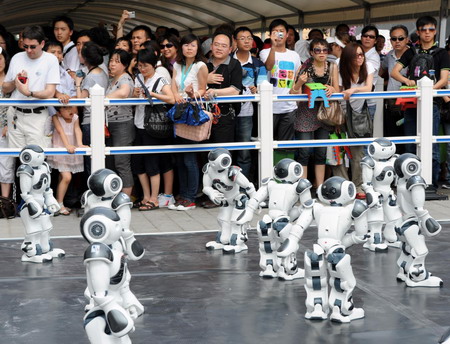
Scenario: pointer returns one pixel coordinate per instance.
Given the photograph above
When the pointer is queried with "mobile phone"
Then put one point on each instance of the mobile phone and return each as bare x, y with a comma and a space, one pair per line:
23, 79
80, 73
132, 14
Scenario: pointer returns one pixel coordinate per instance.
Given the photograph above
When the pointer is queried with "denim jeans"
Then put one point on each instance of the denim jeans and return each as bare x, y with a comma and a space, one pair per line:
446, 127
411, 130
188, 175
243, 133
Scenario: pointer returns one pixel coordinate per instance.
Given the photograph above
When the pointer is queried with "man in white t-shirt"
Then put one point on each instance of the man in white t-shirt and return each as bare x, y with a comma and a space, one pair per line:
369, 35
282, 65
32, 74
63, 30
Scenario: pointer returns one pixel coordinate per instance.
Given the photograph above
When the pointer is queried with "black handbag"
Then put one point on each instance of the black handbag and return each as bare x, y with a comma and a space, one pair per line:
359, 124
156, 122
7, 208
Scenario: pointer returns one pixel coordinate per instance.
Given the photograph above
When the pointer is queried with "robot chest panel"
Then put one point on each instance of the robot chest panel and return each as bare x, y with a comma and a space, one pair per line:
221, 185
41, 181
118, 267
282, 196
333, 222
384, 173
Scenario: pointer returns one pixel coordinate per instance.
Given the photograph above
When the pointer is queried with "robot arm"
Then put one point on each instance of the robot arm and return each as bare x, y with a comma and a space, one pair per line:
359, 235
25, 174
134, 249
253, 203
214, 195
372, 197
244, 183
50, 201
304, 190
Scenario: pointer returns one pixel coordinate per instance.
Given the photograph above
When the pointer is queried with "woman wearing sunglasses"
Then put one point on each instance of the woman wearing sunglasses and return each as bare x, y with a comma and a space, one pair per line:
307, 127
170, 45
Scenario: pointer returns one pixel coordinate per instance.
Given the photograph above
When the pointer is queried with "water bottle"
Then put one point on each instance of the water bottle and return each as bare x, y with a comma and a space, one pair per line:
433, 75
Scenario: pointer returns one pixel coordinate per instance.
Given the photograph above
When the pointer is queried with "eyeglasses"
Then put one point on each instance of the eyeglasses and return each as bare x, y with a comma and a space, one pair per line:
400, 39
369, 36
425, 29
218, 45
32, 47
168, 46
359, 55
242, 39
318, 50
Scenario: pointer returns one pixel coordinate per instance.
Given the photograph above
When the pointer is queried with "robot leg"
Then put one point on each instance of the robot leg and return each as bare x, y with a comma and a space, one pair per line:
46, 243
342, 283
375, 242
238, 233
316, 285
98, 331
289, 269
268, 245
403, 260
130, 301
393, 217
31, 245
224, 234
417, 274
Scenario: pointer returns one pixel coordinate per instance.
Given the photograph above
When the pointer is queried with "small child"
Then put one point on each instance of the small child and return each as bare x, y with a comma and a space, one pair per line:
67, 134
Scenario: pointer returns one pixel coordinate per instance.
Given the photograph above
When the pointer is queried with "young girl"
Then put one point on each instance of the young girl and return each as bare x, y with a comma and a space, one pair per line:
67, 134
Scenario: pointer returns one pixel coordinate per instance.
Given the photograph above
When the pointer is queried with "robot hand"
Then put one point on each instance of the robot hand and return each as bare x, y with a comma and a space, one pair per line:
51, 202
134, 249
373, 198
245, 217
53, 208
217, 197
429, 225
34, 208
289, 246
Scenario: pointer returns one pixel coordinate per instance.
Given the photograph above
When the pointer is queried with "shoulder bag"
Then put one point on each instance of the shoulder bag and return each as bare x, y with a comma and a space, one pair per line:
333, 114
359, 124
7, 208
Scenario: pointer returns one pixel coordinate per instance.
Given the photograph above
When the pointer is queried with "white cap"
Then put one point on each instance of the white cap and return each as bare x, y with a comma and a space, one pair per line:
336, 40
206, 46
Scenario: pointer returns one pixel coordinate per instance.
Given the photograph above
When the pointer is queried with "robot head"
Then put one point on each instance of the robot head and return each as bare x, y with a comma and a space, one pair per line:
337, 190
32, 155
381, 149
101, 225
104, 183
407, 165
287, 171
219, 158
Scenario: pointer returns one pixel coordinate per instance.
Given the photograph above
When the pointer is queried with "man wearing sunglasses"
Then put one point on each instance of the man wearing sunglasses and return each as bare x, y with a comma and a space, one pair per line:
399, 40
32, 74
415, 59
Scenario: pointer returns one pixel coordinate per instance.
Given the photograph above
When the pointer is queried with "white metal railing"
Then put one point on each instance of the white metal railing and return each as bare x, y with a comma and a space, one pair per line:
265, 143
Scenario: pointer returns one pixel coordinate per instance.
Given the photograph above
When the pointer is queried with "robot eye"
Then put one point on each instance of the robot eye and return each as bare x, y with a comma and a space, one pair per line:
371, 149
412, 167
226, 161
26, 157
297, 170
351, 190
115, 184
97, 230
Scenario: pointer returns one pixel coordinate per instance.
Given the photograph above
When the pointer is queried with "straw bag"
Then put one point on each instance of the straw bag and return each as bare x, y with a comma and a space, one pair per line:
195, 133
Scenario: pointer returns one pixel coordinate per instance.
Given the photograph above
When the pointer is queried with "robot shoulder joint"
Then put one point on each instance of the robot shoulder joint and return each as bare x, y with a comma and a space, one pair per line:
205, 168
266, 181
415, 180
359, 208
302, 185
98, 251
120, 200
368, 161
233, 172
25, 169
308, 204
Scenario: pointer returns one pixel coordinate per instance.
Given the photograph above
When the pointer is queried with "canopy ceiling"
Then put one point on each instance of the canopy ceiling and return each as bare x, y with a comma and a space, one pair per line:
201, 16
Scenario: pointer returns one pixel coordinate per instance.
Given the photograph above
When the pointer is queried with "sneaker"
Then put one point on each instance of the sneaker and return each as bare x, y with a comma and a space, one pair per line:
446, 186
186, 205
175, 205
165, 200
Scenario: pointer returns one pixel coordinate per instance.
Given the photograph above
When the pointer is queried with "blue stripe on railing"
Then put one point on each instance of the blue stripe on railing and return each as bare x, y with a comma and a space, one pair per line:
175, 150
46, 102
343, 142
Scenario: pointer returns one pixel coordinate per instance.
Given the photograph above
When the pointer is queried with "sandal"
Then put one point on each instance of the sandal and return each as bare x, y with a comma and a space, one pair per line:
149, 205
64, 211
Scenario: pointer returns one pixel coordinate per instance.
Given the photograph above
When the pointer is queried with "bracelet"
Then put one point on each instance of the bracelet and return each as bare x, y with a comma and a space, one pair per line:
31, 93
293, 89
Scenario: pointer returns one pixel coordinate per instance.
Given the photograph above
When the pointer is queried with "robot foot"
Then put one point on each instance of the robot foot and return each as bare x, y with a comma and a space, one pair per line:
214, 245
283, 276
336, 316
376, 247
42, 258
317, 314
431, 282
234, 248
445, 338
268, 273
56, 253
394, 244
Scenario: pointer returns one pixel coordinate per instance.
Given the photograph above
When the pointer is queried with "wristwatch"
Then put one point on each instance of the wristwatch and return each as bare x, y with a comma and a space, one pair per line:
31, 93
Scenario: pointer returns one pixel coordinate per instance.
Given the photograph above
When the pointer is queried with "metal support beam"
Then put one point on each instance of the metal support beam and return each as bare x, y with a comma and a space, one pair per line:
367, 14
442, 25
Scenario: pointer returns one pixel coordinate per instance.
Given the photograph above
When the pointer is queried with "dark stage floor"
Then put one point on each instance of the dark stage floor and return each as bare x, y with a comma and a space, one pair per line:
195, 296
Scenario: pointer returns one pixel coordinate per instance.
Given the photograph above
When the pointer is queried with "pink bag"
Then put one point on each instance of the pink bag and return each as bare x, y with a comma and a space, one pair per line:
195, 132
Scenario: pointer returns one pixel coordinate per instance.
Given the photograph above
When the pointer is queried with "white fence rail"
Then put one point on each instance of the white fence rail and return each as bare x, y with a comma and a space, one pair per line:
265, 143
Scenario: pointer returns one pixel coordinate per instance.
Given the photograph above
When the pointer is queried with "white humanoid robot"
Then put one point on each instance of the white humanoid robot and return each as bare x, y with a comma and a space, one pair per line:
378, 175
283, 191
114, 306
38, 204
416, 222
105, 191
222, 183
334, 215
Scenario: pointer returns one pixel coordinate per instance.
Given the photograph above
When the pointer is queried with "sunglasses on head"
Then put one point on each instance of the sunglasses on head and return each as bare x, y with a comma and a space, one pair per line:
369, 36
29, 46
168, 46
425, 29
318, 51
395, 39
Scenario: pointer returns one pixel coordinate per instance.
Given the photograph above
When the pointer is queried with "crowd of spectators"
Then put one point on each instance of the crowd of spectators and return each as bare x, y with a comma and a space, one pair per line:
58, 62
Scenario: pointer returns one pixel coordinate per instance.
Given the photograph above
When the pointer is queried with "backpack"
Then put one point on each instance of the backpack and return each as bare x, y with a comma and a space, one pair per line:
421, 63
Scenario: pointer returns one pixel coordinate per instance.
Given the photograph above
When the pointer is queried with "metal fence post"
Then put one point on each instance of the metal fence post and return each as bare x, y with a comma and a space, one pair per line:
97, 94
265, 129
425, 127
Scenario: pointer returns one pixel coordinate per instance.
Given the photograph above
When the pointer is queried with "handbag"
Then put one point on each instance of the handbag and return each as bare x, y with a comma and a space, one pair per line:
156, 122
331, 115
7, 208
359, 124
188, 113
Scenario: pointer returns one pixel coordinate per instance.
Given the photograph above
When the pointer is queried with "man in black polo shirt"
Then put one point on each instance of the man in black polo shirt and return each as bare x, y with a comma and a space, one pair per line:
426, 29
